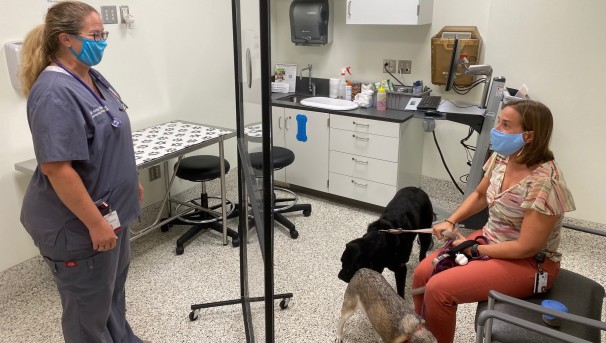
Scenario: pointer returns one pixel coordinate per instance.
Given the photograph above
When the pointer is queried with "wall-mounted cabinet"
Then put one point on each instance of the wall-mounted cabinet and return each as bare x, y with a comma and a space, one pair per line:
389, 12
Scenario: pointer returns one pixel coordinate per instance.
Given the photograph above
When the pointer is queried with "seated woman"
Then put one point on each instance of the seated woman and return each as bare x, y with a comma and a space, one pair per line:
527, 197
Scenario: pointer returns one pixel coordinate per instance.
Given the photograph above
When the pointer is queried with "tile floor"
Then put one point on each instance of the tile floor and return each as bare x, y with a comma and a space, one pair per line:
162, 286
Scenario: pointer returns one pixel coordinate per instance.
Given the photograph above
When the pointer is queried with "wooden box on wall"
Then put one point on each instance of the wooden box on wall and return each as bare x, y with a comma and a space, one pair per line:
441, 52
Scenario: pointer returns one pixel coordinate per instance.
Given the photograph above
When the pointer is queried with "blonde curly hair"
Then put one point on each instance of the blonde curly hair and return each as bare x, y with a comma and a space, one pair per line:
42, 43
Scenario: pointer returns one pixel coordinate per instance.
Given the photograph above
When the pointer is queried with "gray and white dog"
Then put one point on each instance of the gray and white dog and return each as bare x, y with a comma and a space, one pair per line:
390, 316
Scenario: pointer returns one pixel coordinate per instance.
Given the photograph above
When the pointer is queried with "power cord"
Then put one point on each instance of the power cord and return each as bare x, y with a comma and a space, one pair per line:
388, 72
435, 139
459, 106
464, 90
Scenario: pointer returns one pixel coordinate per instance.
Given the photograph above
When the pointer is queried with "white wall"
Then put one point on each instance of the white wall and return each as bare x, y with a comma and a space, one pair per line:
553, 47
176, 63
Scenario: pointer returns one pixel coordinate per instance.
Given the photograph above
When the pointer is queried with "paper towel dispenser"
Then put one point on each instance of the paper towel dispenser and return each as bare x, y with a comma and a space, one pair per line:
13, 62
311, 22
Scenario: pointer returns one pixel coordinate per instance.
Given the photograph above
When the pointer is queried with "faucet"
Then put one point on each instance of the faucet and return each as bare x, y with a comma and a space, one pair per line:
312, 86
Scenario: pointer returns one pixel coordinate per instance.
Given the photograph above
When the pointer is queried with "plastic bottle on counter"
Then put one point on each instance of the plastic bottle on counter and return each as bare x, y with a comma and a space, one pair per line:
342, 83
348, 90
333, 87
381, 99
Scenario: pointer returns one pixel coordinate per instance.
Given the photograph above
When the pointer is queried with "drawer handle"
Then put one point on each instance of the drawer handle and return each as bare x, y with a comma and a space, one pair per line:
359, 161
357, 184
365, 139
361, 125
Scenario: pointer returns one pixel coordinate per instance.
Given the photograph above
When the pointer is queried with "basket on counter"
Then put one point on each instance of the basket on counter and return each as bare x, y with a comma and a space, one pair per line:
399, 99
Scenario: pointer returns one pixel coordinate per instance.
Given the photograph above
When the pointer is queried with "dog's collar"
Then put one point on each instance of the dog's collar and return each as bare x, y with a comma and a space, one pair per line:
417, 329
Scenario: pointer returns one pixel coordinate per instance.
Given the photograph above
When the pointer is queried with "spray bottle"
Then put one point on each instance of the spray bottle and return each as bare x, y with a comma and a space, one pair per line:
342, 83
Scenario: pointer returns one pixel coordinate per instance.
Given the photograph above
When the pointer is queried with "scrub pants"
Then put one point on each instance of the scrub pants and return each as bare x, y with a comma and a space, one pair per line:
91, 286
471, 283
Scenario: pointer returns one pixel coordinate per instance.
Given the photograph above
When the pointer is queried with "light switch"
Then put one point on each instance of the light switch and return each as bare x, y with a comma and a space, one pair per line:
109, 14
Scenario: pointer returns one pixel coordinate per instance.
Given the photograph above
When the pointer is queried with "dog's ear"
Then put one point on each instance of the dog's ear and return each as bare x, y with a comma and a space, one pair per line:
352, 252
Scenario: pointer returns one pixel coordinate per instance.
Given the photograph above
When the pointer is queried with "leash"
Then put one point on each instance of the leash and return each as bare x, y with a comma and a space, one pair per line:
447, 234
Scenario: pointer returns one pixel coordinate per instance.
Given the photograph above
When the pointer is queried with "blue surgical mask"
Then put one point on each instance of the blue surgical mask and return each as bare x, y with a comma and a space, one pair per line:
506, 143
92, 51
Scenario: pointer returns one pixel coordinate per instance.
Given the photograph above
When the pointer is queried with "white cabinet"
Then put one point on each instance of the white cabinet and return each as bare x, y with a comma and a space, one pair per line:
389, 12
306, 133
370, 159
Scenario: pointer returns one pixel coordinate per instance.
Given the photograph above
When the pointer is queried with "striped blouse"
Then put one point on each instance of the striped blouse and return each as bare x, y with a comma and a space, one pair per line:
544, 191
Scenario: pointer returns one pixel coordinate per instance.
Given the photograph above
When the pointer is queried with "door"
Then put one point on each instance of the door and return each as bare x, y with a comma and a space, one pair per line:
306, 134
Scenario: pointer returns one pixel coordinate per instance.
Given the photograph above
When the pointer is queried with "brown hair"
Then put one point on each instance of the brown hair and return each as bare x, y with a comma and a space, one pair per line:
42, 43
537, 118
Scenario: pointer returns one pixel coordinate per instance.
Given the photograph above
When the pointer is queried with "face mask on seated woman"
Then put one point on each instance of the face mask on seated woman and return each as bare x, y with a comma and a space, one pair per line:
506, 143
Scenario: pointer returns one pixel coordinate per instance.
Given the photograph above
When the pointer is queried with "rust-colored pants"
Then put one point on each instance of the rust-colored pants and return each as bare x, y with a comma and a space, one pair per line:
471, 283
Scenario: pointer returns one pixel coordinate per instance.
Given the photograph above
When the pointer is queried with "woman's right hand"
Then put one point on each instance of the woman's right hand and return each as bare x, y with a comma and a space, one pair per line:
439, 229
103, 237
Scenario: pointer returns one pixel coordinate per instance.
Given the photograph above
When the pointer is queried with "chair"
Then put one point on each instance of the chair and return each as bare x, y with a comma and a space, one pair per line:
282, 157
202, 168
582, 296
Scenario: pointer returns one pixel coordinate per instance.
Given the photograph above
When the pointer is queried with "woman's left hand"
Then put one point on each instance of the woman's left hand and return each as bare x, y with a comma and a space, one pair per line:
460, 239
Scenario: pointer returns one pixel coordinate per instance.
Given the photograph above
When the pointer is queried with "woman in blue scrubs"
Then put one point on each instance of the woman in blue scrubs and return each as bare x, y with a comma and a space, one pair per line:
85, 191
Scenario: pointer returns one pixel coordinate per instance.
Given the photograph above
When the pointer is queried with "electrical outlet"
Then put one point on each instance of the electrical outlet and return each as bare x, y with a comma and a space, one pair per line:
109, 15
154, 173
404, 66
389, 66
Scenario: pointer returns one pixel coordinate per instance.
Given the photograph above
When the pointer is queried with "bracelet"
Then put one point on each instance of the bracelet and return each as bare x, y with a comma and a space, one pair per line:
451, 223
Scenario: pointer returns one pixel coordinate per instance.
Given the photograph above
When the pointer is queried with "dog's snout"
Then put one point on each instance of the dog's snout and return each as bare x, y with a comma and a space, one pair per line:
345, 275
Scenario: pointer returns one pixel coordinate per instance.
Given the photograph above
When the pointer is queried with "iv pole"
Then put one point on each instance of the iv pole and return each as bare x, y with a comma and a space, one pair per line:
493, 92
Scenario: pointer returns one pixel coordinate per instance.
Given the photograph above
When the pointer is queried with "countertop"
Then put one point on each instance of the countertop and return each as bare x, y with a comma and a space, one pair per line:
395, 116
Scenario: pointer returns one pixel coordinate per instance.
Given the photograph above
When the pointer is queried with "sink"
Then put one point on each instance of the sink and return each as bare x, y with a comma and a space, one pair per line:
294, 98
329, 103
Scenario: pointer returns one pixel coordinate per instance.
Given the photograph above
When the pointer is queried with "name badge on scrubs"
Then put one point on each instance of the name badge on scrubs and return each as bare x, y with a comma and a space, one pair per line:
113, 220
540, 282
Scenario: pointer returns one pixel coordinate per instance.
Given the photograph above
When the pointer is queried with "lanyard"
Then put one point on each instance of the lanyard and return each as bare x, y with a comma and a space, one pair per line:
115, 121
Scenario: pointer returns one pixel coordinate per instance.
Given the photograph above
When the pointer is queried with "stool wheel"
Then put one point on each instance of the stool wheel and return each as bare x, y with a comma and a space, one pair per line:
193, 315
294, 234
306, 213
180, 250
235, 242
165, 227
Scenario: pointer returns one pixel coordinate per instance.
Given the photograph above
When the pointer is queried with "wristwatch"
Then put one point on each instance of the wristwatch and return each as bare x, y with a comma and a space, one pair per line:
474, 251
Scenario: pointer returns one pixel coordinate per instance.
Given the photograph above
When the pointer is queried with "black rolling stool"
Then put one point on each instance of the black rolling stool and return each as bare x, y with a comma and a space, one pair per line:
202, 168
282, 157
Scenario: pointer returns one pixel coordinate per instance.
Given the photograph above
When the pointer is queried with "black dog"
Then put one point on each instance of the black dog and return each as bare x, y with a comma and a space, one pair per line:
409, 209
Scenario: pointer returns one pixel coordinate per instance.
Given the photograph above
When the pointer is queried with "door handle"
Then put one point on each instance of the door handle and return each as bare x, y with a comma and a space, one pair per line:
359, 161
280, 119
248, 68
286, 123
357, 184
361, 125
365, 139
349, 8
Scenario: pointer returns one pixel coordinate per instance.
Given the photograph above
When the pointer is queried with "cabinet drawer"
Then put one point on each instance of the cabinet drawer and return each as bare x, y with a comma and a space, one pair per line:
361, 190
375, 127
364, 168
363, 144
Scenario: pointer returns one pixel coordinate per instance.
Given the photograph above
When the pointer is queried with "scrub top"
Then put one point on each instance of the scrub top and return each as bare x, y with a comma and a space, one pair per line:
68, 124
